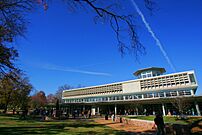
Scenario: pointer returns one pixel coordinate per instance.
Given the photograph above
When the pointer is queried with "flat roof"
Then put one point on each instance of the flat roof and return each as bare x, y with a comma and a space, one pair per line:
128, 81
162, 70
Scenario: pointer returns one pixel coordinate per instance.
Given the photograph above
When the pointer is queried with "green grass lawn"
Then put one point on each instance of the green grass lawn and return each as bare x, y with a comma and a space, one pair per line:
168, 119
13, 125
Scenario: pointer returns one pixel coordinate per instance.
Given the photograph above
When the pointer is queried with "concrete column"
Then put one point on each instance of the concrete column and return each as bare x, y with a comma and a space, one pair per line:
192, 111
93, 111
197, 109
145, 111
177, 93
142, 96
192, 92
164, 93
69, 111
115, 109
124, 98
163, 108
98, 110
137, 110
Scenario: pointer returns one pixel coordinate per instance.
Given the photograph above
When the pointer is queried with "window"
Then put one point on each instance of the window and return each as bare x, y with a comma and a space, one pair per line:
168, 94
126, 97
139, 96
121, 97
149, 75
187, 92
173, 93
104, 99
161, 94
192, 79
144, 76
156, 95
148, 95
135, 97
181, 93
145, 96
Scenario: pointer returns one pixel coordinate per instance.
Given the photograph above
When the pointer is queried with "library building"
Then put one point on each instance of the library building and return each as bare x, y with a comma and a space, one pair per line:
150, 93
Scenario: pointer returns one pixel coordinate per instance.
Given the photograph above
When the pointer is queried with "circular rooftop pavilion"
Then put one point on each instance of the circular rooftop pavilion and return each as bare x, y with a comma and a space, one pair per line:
149, 72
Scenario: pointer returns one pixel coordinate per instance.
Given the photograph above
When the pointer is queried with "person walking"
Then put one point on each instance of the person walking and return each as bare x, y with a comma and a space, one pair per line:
160, 124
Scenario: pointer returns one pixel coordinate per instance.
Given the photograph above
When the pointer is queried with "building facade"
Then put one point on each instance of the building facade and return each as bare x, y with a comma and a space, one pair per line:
152, 92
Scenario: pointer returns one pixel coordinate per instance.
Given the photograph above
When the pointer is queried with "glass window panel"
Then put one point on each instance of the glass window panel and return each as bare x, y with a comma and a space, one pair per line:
173, 93
161, 94
144, 76
168, 94
192, 79
181, 93
187, 92
149, 75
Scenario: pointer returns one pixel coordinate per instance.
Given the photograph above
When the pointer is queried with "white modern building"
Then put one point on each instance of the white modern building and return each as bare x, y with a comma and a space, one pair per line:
152, 92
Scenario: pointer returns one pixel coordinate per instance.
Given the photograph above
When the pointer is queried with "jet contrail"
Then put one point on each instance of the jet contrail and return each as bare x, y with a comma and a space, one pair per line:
158, 43
68, 69
49, 66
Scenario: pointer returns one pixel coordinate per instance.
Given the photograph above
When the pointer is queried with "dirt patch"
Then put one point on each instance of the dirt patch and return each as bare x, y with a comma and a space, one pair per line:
197, 128
126, 127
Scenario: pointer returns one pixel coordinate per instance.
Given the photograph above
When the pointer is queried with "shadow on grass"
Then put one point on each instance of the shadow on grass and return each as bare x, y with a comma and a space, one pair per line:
57, 129
63, 128
12, 125
197, 124
30, 130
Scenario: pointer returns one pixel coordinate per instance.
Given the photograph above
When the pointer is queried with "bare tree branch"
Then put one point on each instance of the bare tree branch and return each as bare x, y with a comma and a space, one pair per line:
119, 23
181, 104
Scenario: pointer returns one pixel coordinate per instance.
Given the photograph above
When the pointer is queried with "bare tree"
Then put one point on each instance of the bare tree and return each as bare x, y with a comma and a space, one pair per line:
13, 20
12, 24
58, 93
181, 104
51, 99
122, 23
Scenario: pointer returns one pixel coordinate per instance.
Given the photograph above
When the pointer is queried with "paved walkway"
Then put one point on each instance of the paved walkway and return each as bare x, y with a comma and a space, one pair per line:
131, 129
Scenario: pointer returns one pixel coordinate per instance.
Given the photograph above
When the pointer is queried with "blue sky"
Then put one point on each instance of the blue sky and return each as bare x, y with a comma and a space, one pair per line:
63, 47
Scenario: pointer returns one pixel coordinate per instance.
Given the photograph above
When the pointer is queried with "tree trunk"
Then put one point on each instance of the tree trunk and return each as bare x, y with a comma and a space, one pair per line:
5, 108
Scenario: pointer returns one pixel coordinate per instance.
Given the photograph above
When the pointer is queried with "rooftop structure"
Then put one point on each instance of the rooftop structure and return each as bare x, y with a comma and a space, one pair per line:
149, 72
